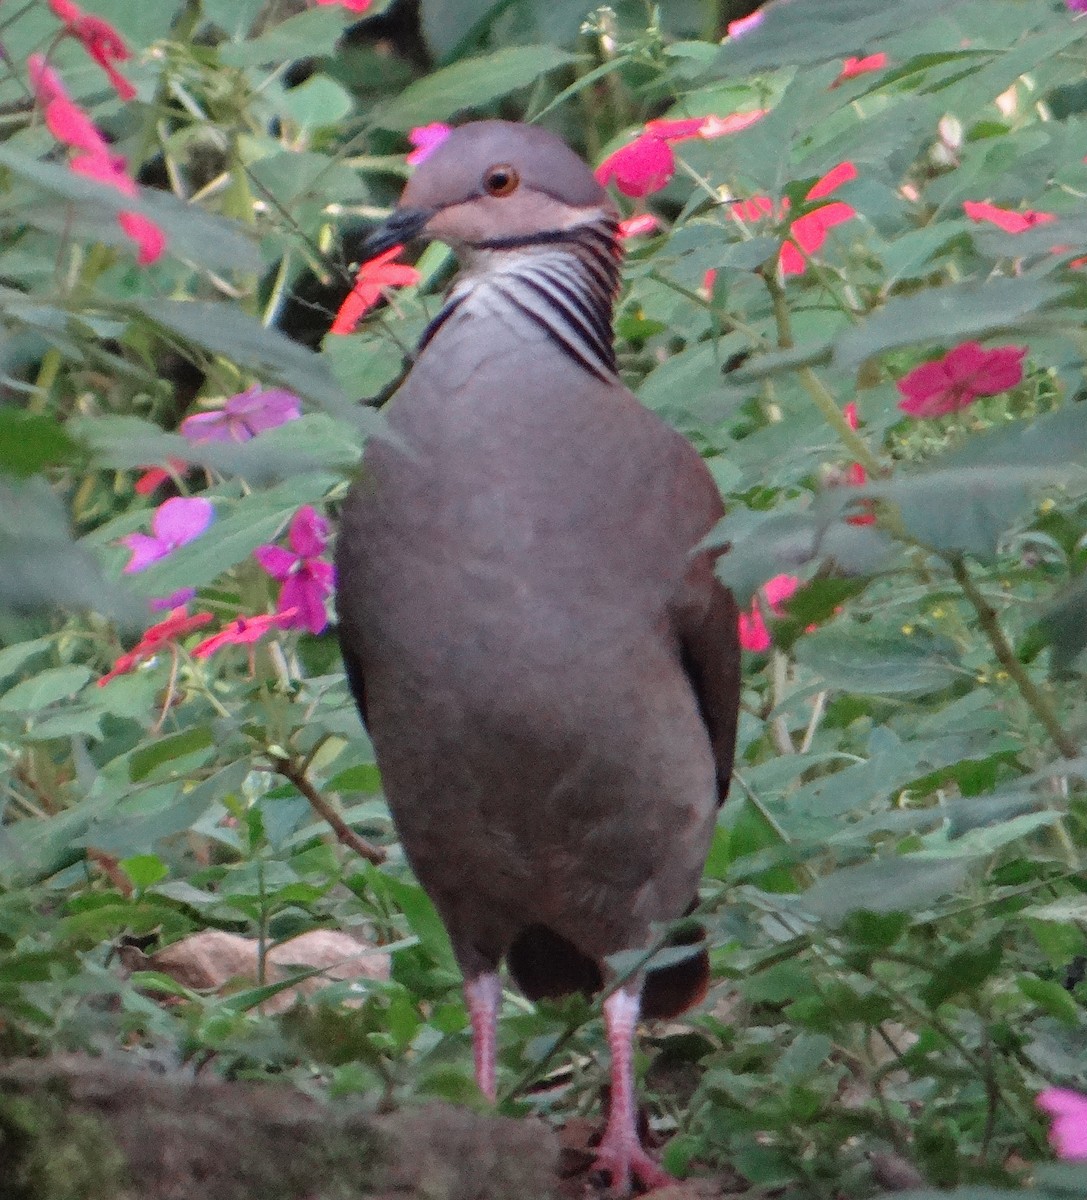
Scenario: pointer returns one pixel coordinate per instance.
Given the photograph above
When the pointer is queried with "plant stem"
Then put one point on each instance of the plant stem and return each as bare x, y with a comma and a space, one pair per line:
1036, 701
814, 386
343, 831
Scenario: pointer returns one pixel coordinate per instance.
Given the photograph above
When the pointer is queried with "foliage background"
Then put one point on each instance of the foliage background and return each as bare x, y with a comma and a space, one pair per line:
896, 892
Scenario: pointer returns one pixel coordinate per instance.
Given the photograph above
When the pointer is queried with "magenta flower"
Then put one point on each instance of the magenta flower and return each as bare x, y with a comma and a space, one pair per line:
955, 381
176, 521
1076, 6
753, 632
1068, 1133
306, 577
426, 139
243, 416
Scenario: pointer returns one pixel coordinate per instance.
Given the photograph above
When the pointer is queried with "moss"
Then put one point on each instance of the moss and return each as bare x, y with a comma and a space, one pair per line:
50, 1152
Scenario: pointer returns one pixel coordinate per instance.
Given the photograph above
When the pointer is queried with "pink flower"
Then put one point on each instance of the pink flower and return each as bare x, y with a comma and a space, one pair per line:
744, 25
358, 6
1006, 218
243, 416
935, 389
306, 578
646, 164
426, 139
852, 67
753, 632
1068, 1133
642, 166
373, 277
809, 231
101, 41
176, 522
149, 238
175, 626
70, 125
638, 226
1077, 6
241, 632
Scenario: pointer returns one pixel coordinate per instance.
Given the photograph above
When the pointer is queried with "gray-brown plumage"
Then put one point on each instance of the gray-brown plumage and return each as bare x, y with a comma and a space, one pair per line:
549, 672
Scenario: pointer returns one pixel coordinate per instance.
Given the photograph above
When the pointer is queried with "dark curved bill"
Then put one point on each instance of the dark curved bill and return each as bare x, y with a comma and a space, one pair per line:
399, 227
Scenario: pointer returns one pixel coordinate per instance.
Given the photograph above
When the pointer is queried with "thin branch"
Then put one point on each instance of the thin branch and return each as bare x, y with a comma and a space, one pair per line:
1036, 701
343, 831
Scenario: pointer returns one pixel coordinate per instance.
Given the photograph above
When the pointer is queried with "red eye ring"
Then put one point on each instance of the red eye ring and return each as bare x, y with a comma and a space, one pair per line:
501, 179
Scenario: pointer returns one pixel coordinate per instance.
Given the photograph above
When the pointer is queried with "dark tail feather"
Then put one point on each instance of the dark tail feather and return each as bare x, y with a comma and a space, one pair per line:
670, 990
545, 964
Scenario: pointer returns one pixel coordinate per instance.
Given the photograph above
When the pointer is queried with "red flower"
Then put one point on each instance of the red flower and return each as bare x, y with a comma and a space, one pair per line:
809, 231
1005, 218
306, 577
69, 124
242, 631
154, 477
644, 165
175, 626
101, 41
647, 164
753, 632
852, 67
856, 475
935, 389
638, 226
372, 279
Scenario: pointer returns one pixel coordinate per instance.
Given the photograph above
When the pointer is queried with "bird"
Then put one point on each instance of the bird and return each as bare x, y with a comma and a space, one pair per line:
531, 626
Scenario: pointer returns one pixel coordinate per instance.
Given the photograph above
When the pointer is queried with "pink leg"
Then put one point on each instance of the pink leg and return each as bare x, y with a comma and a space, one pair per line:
483, 995
620, 1153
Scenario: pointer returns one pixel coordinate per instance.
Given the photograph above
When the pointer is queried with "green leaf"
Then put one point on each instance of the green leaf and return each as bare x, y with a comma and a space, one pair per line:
314, 32
30, 442
879, 664
144, 869
1052, 997
225, 329
470, 83
809, 33
165, 749
56, 683
904, 884
947, 315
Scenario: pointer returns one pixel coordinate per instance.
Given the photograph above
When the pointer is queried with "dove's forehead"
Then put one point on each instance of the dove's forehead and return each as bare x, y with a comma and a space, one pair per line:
454, 171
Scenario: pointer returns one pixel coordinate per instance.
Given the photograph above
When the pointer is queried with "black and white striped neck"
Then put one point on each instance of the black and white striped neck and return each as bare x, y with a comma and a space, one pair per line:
561, 281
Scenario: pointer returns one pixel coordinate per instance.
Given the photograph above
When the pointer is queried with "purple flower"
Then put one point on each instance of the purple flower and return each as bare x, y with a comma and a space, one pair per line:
1076, 6
306, 578
1068, 1134
173, 600
176, 521
243, 416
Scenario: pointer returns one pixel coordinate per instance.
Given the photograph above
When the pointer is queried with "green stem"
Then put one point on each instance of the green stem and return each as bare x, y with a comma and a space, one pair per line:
814, 386
1035, 700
